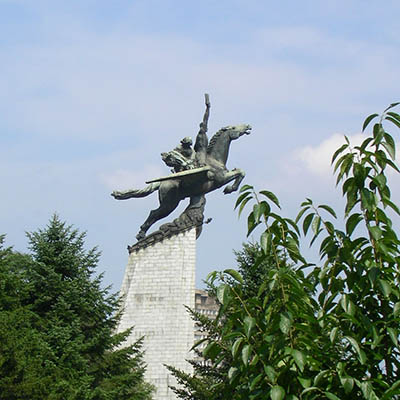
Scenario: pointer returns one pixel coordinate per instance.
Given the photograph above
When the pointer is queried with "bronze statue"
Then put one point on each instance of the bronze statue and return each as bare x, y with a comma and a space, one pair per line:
196, 172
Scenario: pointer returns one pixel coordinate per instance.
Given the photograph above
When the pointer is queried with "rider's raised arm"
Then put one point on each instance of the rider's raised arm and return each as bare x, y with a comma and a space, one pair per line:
204, 124
200, 146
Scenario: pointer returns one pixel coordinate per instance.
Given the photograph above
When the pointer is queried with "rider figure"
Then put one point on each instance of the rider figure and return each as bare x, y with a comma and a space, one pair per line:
183, 157
185, 148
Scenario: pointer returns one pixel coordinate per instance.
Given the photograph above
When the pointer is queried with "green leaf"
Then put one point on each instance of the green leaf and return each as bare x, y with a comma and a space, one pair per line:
316, 224
300, 214
251, 223
360, 353
385, 287
223, 292
285, 324
368, 120
232, 373
307, 203
391, 143
265, 209
307, 222
378, 133
345, 167
306, 383
236, 346
393, 120
394, 115
394, 389
347, 383
234, 274
352, 222
315, 237
277, 393
368, 199
380, 181
365, 144
347, 305
254, 360
393, 335
271, 196
257, 212
299, 359
319, 376
241, 198
211, 350
271, 373
246, 351
309, 389
341, 161
243, 204
255, 381
338, 151
376, 232
372, 275
392, 105
329, 209
248, 324
391, 150
368, 391
333, 334
331, 396
245, 188
266, 242
393, 165
393, 206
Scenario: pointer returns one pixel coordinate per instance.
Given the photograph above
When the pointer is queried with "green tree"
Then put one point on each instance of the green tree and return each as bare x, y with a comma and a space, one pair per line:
285, 342
69, 348
254, 268
21, 347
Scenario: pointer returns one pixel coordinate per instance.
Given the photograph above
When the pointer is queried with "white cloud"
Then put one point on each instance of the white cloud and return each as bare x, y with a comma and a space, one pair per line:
317, 159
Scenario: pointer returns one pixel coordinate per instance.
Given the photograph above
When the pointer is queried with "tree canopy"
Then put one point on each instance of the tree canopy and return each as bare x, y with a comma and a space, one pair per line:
57, 324
314, 331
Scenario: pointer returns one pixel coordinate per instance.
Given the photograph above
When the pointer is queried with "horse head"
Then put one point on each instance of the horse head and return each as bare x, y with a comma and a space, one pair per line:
218, 148
235, 131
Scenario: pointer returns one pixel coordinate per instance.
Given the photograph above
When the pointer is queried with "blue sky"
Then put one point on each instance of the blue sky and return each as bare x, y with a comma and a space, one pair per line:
94, 91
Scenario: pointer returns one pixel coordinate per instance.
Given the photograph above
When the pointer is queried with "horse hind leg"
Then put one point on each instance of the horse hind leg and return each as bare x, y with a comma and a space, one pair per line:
155, 215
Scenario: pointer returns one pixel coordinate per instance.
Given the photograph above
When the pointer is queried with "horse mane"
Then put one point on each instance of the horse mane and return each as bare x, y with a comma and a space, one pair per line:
214, 139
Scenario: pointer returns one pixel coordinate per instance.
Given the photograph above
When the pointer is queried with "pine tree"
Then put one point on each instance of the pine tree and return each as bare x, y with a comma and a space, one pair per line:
74, 319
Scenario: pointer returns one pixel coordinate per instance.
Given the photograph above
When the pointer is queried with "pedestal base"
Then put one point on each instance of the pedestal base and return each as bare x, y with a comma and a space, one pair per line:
159, 281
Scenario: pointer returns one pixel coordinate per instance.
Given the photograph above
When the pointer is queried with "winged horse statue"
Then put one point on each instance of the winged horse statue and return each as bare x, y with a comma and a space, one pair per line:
196, 171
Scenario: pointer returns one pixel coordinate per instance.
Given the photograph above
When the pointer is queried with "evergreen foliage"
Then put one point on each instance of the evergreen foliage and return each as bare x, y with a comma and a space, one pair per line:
326, 331
57, 325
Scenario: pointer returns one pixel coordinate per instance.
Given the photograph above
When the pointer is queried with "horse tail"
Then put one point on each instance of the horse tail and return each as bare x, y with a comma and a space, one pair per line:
128, 194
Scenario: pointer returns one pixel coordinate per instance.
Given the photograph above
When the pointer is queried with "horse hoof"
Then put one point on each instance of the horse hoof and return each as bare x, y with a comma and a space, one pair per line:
227, 190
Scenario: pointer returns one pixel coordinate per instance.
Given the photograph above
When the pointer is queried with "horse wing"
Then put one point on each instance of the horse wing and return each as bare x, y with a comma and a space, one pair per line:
187, 176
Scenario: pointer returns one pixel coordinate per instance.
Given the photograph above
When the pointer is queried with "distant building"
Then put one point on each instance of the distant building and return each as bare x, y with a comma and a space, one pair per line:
207, 305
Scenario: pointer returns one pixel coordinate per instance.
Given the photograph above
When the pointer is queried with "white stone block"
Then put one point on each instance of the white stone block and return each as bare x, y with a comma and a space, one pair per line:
159, 281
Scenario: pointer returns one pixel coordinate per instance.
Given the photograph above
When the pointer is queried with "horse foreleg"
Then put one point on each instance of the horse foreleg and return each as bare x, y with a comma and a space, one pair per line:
237, 175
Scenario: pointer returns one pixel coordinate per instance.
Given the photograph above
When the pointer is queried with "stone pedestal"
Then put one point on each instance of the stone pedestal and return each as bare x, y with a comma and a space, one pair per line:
159, 281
